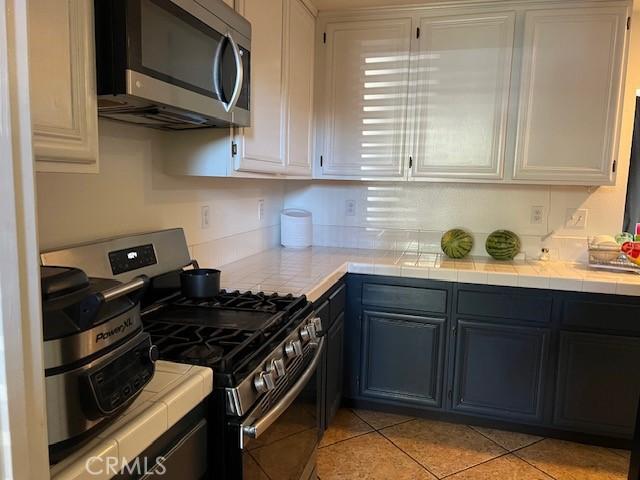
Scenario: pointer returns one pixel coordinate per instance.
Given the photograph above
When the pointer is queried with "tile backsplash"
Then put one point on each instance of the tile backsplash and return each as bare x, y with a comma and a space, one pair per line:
414, 216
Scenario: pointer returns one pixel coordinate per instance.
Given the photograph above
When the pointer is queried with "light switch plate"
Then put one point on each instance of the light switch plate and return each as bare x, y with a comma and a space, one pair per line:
577, 218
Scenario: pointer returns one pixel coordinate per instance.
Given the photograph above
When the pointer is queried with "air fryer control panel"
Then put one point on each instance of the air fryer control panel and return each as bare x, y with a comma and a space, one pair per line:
114, 384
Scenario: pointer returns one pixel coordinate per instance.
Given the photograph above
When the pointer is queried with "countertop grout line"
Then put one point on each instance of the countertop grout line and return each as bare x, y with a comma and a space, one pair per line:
408, 455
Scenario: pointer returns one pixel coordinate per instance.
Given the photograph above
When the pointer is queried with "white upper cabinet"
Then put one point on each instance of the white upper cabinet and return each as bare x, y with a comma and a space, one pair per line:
461, 72
282, 56
364, 99
299, 111
63, 85
262, 146
569, 105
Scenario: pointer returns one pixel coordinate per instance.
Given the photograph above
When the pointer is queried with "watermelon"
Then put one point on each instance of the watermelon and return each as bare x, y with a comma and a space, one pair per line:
456, 243
503, 245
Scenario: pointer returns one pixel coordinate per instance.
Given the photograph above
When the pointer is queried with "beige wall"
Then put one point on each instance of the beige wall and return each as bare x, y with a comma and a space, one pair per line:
132, 194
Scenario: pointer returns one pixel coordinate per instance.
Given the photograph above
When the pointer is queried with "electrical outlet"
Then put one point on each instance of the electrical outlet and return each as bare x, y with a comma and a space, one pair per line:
260, 209
537, 215
204, 217
350, 208
577, 218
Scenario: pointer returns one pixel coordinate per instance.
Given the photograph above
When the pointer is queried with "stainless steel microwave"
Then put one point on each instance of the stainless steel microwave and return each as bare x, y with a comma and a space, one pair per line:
173, 64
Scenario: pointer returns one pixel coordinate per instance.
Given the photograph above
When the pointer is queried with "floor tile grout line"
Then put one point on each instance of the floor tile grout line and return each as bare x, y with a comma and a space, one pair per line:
381, 428
347, 439
529, 463
506, 453
411, 457
502, 446
395, 424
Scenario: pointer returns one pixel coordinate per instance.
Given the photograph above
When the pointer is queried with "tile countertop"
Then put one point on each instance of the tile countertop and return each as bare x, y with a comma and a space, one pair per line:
313, 270
174, 390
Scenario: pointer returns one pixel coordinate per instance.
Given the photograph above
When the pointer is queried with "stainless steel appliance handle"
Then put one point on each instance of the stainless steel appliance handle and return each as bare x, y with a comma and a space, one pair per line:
260, 426
116, 292
239, 74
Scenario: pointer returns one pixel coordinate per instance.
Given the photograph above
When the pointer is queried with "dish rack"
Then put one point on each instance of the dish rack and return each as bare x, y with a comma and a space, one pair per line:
610, 258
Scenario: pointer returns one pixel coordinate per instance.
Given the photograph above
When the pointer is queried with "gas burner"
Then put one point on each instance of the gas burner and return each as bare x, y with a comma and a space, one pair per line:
231, 333
201, 354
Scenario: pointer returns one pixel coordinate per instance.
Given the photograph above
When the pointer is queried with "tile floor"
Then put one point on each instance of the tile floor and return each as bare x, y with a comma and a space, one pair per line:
368, 445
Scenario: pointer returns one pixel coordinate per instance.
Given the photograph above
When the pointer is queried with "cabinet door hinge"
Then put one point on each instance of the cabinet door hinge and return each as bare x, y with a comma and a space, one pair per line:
321, 160
324, 37
234, 149
628, 23
614, 166
418, 32
410, 162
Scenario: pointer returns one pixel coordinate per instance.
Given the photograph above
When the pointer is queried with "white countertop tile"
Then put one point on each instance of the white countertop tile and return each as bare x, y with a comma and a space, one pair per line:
313, 270
174, 390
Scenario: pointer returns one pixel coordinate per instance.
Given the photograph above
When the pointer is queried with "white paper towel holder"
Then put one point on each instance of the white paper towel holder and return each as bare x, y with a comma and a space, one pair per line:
296, 228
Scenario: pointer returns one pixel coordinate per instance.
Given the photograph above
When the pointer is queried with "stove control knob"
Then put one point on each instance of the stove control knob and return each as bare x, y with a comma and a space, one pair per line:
293, 349
276, 367
317, 324
264, 382
305, 334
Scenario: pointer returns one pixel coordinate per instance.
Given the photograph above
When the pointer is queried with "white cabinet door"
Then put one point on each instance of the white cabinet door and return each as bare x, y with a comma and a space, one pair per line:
299, 59
262, 146
462, 72
63, 91
570, 95
364, 100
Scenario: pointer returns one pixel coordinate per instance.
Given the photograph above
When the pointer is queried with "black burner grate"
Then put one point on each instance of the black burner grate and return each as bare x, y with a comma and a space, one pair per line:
231, 333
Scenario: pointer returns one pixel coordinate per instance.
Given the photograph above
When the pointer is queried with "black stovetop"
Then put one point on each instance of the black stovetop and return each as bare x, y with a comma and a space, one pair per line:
230, 333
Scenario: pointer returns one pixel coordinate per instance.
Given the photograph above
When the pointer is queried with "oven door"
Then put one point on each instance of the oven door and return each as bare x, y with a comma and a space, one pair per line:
181, 54
282, 443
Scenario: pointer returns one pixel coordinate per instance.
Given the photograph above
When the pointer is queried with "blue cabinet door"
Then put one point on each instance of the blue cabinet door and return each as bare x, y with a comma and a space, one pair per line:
402, 358
597, 387
499, 370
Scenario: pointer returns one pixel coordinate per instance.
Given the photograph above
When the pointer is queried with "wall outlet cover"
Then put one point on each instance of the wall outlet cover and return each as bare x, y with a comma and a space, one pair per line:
537, 215
350, 208
205, 219
260, 209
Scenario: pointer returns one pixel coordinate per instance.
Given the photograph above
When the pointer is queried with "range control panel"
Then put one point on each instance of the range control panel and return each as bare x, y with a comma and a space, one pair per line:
132, 258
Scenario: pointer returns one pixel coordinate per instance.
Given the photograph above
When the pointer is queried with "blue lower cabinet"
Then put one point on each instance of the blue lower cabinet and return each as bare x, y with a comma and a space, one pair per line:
597, 387
500, 370
402, 358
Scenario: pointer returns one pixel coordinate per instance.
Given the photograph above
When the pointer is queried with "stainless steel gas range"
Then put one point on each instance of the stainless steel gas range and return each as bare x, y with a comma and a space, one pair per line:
264, 349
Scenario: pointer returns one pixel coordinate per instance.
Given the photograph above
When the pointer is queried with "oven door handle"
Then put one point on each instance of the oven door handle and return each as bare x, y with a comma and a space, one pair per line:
257, 428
